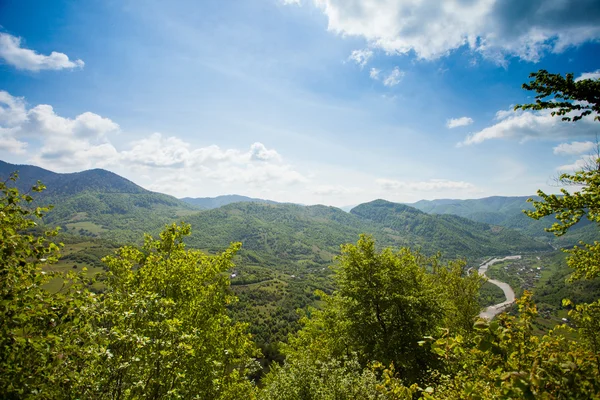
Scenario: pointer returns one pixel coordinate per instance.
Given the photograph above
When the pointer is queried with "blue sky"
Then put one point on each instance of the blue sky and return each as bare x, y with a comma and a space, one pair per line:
312, 101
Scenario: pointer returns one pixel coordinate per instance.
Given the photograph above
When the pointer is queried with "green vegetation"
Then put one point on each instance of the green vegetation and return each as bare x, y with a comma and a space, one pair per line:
490, 294
160, 329
296, 244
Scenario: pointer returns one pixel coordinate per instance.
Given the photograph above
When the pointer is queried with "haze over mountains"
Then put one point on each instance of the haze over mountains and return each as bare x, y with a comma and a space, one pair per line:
101, 204
208, 203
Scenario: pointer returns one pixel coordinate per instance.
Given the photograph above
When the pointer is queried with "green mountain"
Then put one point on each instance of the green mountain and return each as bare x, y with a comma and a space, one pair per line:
508, 212
452, 235
98, 203
208, 203
288, 234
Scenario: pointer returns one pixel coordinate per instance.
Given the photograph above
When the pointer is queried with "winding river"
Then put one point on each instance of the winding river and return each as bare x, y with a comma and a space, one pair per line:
496, 309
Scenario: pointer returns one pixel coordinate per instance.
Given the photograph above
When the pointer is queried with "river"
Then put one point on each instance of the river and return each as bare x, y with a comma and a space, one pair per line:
496, 309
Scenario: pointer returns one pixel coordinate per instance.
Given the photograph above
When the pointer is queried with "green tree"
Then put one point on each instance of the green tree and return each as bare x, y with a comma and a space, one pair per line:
160, 329
42, 335
385, 303
572, 100
569, 98
303, 377
506, 360
168, 330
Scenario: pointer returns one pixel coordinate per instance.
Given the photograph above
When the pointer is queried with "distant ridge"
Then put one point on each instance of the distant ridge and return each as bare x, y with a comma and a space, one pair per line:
507, 211
209, 203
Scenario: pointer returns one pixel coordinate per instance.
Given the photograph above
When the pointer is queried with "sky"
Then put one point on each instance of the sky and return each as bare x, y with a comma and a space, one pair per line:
331, 102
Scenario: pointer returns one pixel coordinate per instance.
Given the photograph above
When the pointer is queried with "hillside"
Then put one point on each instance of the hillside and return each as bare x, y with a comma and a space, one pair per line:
208, 203
507, 211
98, 203
311, 235
452, 235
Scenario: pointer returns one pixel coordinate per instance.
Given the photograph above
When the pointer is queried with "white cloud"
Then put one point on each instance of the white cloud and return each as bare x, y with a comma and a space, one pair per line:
335, 190
456, 122
10, 144
578, 165
589, 75
430, 185
12, 109
42, 120
574, 148
72, 144
526, 125
497, 29
12, 53
258, 152
390, 79
288, 2
361, 57
394, 77
374, 73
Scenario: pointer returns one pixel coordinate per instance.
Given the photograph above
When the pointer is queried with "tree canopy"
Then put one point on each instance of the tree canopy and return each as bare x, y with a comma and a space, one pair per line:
570, 98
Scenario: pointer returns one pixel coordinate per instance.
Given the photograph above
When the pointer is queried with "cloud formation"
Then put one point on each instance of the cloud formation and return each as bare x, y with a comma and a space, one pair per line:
394, 77
334, 190
72, 144
430, 185
496, 29
589, 75
456, 122
583, 163
390, 79
25, 59
526, 125
374, 73
361, 57
574, 148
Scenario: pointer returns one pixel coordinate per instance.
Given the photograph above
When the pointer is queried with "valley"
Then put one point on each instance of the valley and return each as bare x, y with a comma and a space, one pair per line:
287, 249
289, 252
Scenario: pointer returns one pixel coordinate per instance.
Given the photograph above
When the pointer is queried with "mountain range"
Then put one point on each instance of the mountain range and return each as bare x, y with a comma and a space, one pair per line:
102, 204
508, 212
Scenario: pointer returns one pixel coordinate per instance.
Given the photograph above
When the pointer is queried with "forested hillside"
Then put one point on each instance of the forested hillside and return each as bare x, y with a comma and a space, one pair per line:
508, 212
99, 203
310, 235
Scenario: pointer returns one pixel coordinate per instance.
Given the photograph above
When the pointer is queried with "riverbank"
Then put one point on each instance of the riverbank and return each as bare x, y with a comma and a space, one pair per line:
493, 310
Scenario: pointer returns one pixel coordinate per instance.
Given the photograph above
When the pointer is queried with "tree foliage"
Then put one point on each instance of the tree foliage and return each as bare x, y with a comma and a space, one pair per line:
569, 98
385, 303
159, 330
166, 319
583, 98
506, 360
41, 334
